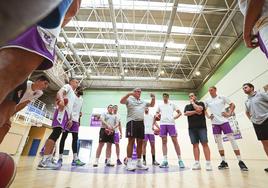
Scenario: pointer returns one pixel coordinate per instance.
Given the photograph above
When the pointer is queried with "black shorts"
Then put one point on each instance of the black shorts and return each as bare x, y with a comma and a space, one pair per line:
103, 137
17, 93
261, 130
135, 129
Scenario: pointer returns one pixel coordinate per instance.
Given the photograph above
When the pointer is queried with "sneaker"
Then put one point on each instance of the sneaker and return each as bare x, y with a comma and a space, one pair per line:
155, 163
181, 164
77, 162
208, 167
109, 164
118, 162
242, 166
130, 166
223, 165
47, 165
196, 166
95, 164
144, 162
266, 169
59, 162
141, 166
164, 164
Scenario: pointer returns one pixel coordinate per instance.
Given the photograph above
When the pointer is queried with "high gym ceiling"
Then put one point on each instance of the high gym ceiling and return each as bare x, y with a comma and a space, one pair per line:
174, 44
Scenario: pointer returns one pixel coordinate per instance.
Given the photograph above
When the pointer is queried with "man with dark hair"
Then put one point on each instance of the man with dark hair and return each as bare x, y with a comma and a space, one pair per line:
135, 125
73, 128
18, 99
62, 119
109, 122
195, 112
168, 127
257, 112
220, 123
117, 134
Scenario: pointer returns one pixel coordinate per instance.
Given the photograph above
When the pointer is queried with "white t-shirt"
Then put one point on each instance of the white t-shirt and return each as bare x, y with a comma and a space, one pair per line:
110, 119
70, 95
29, 94
78, 103
217, 106
148, 123
167, 111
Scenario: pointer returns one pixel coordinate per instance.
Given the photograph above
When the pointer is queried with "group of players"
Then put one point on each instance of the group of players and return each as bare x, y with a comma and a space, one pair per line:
142, 126
35, 49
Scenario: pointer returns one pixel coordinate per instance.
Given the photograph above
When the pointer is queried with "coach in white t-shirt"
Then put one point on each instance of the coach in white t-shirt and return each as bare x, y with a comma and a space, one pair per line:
167, 126
23, 95
219, 118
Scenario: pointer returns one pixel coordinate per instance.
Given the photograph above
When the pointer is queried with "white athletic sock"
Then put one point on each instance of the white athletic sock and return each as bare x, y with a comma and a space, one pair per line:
165, 157
60, 156
238, 157
139, 160
223, 158
179, 157
196, 161
208, 162
75, 156
108, 160
97, 160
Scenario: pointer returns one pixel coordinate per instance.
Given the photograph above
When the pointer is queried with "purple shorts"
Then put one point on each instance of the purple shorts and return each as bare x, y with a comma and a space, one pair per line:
149, 137
36, 40
74, 128
116, 138
225, 128
60, 119
262, 45
168, 129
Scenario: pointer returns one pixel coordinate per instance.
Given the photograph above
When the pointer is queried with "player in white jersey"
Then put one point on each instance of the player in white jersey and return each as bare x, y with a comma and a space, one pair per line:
74, 129
220, 123
117, 135
149, 128
255, 23
61, 121
19, 98
167, 126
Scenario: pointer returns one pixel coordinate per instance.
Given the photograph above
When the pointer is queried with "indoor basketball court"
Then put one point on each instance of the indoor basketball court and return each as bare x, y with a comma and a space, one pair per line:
133, 93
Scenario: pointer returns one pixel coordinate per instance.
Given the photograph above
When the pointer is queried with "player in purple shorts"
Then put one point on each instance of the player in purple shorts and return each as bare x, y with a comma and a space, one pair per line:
220, 123
73, 128
18, 99
62, 118
117, 135
167, 127
255, 23
149, 128
34, 48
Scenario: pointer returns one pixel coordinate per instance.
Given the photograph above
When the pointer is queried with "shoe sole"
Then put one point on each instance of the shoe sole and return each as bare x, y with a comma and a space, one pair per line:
163, 166
244, 169
131, 170
223, 168
196, 168
43, 168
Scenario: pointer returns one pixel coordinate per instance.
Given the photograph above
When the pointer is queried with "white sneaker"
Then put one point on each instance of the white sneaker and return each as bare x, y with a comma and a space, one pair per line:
47, 165
141, 166
208, 167
196, 166
130, 166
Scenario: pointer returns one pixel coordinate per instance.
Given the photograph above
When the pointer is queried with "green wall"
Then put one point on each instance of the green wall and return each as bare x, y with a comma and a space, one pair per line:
238, 54
102, 98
